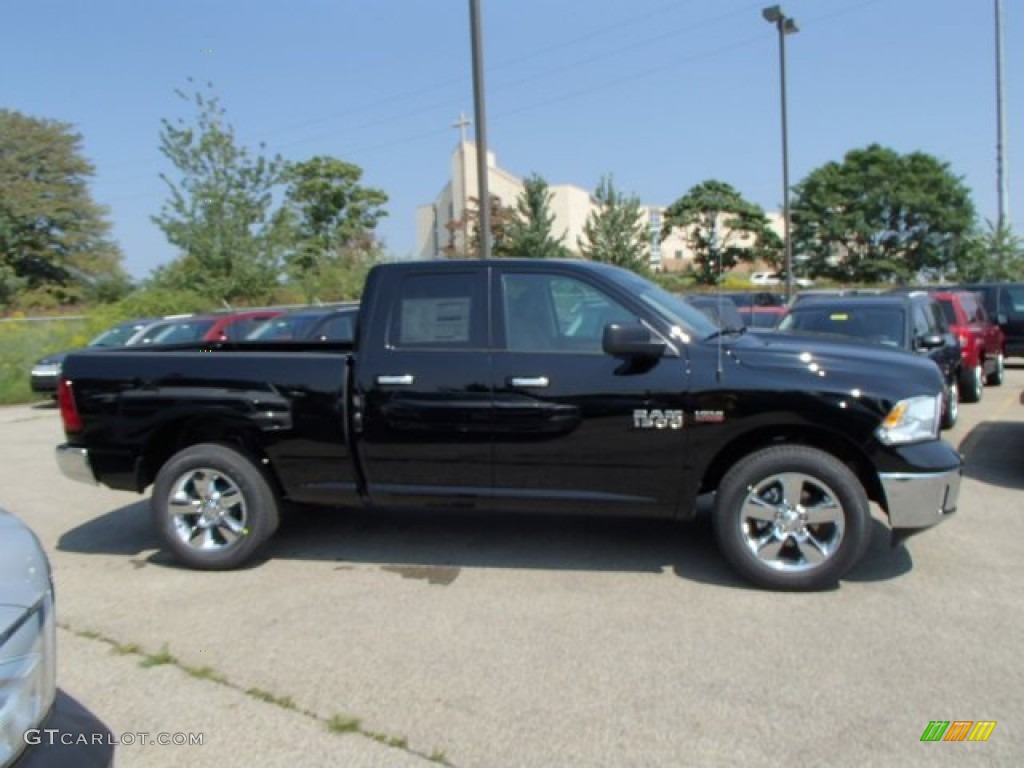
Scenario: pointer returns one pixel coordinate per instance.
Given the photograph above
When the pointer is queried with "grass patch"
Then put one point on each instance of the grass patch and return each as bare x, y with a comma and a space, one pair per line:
205, 673
161, 657
342, 724
22, 342
285, 702
126, 649
438, 756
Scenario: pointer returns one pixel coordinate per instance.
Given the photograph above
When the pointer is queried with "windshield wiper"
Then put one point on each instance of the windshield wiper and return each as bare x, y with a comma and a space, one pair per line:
727, 332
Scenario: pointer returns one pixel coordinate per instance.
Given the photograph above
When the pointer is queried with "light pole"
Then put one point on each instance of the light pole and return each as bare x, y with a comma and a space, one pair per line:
1001, 184
773, 14
480, 112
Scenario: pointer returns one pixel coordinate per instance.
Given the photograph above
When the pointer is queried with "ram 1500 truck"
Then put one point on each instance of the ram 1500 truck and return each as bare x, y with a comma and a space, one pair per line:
523, 385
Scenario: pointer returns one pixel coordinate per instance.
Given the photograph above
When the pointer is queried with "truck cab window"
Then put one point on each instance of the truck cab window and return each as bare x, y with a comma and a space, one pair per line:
552, 313
440, 310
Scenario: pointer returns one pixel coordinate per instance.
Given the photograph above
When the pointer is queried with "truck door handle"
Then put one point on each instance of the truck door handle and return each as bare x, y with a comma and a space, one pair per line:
404, 379
536, 382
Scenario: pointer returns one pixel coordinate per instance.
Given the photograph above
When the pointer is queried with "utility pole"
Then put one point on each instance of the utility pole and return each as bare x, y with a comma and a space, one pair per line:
1001, 181
484, 194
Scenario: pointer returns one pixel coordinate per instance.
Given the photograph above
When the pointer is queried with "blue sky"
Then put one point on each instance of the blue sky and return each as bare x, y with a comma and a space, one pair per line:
661, 93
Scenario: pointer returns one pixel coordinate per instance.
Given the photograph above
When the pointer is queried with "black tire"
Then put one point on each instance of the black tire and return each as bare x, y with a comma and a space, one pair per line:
972, 383
203, 530
995, 378
755, 489
951, 405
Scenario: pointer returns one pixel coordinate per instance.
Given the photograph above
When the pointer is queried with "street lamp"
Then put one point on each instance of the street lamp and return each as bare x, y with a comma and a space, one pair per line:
773, 14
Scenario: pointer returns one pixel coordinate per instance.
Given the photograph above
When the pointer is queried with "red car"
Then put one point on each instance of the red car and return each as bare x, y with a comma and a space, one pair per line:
982, 343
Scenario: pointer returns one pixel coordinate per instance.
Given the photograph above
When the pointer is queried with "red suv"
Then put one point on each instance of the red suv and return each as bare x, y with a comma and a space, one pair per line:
982, 342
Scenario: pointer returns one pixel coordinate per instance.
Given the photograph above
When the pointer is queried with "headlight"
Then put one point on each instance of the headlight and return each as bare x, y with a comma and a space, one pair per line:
28, 676
911, 420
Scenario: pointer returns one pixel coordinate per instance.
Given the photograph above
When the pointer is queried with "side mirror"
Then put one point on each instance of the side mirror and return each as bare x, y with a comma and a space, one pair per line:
931, 341
631, 340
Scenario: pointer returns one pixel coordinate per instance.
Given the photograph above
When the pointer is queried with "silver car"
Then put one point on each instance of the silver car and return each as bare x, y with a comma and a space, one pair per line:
29, 699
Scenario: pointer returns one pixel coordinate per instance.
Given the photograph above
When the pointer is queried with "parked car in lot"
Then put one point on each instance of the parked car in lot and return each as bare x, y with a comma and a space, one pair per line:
528, 385
912, 321
46, 370
720, 309
829, 293
336, 323
778, 278
1004, 303
762, 317
754, 298
233, 326
30, 703
982, 342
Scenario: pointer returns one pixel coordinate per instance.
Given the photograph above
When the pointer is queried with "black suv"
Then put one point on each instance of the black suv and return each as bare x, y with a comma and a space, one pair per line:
1004, 303
910, 321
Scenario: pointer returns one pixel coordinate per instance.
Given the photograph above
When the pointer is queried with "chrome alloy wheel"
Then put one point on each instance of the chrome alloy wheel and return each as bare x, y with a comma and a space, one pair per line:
792, 522
207, 509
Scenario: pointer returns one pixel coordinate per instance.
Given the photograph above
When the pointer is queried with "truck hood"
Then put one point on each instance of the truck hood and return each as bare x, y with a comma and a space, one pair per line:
870, 367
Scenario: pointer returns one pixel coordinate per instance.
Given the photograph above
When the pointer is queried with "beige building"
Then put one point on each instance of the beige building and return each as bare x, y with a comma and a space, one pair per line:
570, 207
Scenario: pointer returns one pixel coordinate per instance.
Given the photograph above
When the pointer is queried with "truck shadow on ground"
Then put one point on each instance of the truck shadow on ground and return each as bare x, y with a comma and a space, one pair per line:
435, 546
994, 453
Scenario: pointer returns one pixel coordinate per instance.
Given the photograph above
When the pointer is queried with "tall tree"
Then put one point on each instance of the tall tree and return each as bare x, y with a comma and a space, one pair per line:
615, 231
995, 254
220, 211
333, 218
721, 229
53, 236
529, 233
880, 216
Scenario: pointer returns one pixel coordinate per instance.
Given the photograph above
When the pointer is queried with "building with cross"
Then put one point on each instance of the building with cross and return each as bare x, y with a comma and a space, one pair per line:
441, 229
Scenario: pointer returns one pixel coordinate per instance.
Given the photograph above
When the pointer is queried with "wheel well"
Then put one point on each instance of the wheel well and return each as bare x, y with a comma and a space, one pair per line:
835, 445
178, 435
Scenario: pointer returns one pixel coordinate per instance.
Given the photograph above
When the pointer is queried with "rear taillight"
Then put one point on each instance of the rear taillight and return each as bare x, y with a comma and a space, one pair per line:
68, 410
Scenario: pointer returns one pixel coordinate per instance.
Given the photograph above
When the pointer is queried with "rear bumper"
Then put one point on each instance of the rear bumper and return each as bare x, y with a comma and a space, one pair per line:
44, 378
74, 463
918, 500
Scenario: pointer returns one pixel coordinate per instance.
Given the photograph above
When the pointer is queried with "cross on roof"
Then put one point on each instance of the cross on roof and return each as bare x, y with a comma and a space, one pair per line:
462, 123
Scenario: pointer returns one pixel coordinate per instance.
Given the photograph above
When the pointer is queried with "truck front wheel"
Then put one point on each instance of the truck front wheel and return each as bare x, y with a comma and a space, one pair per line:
213, 506
792, 517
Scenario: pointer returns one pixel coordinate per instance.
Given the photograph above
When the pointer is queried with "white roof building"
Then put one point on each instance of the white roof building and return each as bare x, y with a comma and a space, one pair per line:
437, 231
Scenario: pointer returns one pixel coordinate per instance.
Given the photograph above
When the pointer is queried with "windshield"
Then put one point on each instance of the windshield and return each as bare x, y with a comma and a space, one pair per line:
115, 337
282, 328
673, 309
880, 325
178, 333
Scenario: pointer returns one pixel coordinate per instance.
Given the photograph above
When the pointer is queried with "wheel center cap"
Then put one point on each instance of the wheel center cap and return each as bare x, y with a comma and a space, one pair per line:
789, 520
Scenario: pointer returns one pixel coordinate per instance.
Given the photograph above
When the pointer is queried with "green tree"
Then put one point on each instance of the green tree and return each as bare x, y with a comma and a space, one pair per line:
333, 218
615, 232
880, 216
995, 254
529, 232
220, 212
721, 229
54, 238
464, 233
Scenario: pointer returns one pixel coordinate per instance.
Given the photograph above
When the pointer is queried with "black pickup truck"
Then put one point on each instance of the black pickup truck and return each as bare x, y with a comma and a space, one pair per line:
532, 385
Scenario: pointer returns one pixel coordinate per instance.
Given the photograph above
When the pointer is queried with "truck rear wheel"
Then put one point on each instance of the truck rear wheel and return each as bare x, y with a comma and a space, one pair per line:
792, 518
972, 382
213, 506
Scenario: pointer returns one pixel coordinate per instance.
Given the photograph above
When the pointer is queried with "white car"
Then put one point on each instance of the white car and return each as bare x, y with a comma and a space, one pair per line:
777, 278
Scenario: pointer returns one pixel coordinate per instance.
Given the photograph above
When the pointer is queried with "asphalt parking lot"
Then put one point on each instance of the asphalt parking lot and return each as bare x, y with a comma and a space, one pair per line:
398, 640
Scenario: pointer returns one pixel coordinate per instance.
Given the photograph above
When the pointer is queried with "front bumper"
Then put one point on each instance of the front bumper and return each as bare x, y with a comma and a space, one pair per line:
74, 463
917, 500
71, 737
